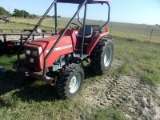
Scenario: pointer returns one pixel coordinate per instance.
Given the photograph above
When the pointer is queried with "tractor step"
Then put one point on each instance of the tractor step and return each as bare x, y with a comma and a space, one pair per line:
78, 56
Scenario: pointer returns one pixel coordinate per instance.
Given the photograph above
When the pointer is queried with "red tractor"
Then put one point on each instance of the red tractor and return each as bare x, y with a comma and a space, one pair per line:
58, 59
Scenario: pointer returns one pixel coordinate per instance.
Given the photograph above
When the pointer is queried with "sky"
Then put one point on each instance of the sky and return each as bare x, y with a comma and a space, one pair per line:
130, 11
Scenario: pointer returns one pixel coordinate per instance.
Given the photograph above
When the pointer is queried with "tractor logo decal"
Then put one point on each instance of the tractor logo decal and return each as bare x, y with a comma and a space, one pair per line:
61, 48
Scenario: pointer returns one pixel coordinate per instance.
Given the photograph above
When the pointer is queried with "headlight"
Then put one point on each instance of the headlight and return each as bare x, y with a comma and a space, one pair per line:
34, 53
28, 52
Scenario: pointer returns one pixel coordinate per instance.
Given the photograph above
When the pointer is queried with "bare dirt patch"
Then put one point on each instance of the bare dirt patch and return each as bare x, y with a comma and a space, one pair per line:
136, 99
117, 64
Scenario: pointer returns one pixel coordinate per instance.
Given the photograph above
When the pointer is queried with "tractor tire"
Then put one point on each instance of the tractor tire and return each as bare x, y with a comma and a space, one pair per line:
102, 55
70, 81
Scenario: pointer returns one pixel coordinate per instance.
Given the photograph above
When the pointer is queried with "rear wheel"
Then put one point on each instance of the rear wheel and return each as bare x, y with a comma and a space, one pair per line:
102, 55
70, 81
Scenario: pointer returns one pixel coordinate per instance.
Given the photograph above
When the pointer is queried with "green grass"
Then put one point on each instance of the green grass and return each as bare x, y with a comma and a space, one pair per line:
135, 31
21, 100
141, 37
17, 27
110, 114
50, 21
141, 58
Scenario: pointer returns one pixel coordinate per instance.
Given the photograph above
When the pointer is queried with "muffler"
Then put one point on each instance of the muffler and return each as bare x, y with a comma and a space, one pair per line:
50, 80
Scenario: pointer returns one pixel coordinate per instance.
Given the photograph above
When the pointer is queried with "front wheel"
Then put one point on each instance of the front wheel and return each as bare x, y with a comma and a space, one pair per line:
102, 55
70, 81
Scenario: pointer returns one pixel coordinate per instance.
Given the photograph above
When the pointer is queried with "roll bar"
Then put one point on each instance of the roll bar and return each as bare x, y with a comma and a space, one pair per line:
109, 9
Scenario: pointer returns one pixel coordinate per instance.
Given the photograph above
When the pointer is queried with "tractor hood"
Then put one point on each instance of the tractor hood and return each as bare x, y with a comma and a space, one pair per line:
44, 45
47, 42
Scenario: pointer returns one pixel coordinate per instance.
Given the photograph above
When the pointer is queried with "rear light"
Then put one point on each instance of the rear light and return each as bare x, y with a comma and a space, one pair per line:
106, 29
9, 45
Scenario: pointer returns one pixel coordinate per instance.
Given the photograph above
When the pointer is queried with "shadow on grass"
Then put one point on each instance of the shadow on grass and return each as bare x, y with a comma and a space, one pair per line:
8, 51
7, 54
27, 91
37, 93
43, 92
4, 103
10, 81
89, 73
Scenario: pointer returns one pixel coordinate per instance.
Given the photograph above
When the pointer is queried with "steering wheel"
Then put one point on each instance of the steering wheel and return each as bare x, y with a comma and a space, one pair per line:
76, 26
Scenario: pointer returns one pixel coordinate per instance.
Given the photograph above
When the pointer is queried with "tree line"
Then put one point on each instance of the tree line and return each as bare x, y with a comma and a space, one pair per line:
4, 12
16, 13
23, 13
20, 13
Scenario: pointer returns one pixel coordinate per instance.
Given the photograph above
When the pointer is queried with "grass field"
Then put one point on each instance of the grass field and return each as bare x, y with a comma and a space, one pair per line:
37, 101
136, 31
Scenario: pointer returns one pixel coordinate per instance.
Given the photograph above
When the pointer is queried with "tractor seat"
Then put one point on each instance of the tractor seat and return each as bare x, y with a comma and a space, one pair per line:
88, 32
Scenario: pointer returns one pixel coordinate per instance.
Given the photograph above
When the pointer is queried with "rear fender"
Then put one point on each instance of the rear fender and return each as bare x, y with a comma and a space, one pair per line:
95, 39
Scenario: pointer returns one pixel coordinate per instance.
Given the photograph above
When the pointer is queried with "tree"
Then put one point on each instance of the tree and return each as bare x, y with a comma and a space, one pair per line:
4, 12
32, 16
57, 16
20, 13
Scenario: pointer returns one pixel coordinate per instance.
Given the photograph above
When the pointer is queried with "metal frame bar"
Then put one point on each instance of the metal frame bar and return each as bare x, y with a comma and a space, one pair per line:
81, 1
79, 20
84, 22
55, 17
61, 35
39, 22
109, 10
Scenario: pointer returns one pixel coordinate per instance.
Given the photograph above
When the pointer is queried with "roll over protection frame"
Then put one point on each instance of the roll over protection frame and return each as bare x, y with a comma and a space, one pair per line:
54, 3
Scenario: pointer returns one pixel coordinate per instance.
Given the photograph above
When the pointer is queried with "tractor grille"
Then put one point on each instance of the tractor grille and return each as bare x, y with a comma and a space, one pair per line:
31, 60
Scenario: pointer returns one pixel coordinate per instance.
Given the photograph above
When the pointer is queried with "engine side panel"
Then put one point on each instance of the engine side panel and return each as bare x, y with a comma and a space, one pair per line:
71, 33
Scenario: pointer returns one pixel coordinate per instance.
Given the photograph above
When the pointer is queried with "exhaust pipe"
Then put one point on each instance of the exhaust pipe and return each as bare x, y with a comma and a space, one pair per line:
50, 80
53, 82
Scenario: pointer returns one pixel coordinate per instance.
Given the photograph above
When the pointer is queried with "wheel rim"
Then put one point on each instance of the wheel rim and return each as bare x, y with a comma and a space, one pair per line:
108, 57
74, 83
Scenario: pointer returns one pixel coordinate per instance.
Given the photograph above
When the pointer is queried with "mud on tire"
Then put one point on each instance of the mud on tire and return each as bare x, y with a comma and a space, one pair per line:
70, 81
102, 55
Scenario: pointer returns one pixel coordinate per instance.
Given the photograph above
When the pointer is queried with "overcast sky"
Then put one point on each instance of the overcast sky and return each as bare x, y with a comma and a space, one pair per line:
131, 11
